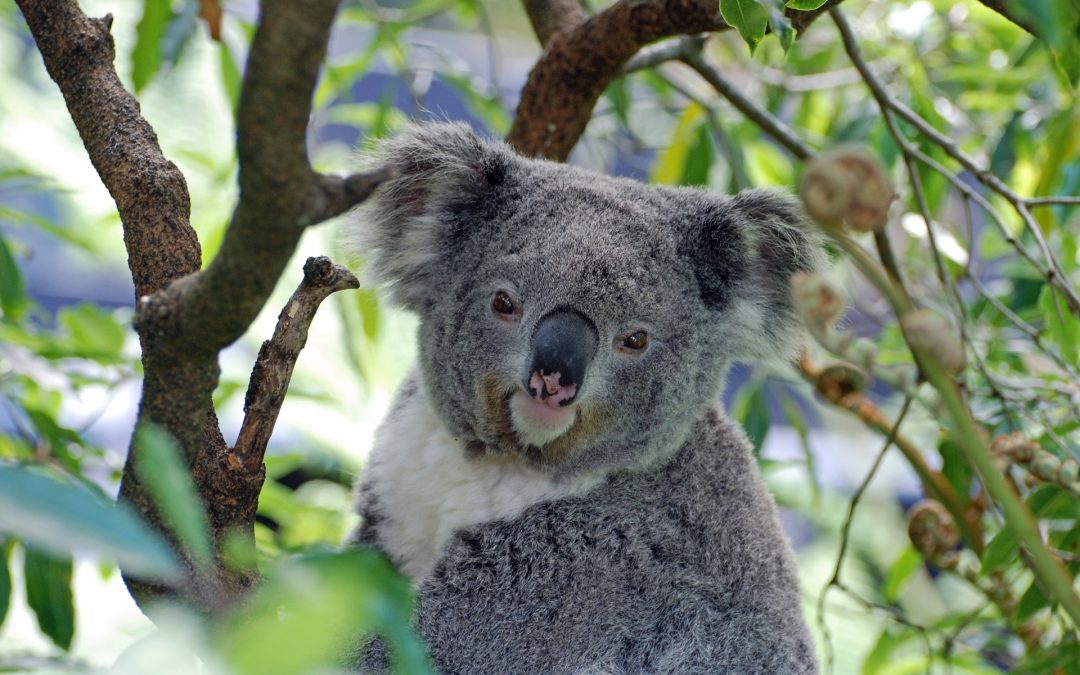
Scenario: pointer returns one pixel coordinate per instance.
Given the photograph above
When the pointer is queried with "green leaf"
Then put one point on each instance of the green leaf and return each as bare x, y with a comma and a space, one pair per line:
160, 466
5, 581
230, 75
906, 564
955, 467
1002, 550
64, 517
779, 23
1063, 326
805, 5
699, 159
48, 592
618, 96
1057, 24
283, 629
671, 164
146, 55
751, 409
748, 17
12, 289
93, 332
367, 300
1030, 602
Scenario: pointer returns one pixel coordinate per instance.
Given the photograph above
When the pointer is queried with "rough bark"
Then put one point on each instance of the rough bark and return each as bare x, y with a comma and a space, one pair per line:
583, 56
184, 317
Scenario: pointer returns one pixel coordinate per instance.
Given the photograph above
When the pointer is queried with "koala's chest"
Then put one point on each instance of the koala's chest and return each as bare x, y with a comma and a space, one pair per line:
425, 488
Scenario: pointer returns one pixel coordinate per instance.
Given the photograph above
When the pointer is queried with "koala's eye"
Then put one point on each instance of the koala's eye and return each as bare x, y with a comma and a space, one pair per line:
503, 305
635, 342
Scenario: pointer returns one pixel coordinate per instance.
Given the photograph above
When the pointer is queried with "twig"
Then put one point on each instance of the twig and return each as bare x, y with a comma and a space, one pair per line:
845, 531
888, 102
277, 356
763, 118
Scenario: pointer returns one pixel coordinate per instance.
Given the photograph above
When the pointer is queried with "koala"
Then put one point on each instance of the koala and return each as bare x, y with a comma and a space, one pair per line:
556, 477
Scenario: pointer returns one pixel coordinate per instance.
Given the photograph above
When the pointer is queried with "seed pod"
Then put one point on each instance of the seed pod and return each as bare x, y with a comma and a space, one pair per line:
928, 333
932, 530
838, 380
817, 301
847, 185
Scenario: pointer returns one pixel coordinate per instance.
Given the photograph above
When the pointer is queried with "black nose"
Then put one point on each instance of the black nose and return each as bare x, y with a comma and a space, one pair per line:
563, 344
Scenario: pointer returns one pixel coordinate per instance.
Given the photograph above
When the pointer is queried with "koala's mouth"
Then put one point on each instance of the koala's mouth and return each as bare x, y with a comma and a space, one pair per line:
512, 423
539, 422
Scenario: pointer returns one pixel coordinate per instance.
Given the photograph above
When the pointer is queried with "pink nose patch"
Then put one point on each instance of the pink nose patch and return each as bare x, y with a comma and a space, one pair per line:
546, 388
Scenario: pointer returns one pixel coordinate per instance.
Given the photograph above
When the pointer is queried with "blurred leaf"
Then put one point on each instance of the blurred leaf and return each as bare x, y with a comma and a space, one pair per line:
748, 17
795, 418
619, 98
312, 611
1056, 23
908, 562
699, 159
65, 517
1002, 550
5, 580
178, 32
805, 5
160, 466
149, 33
94, 332
48, 592
955, 467
367, 300
1030, 602
670, 166
13, 298
1004, 154
779, 23
1062, 324
751, 409
231, 78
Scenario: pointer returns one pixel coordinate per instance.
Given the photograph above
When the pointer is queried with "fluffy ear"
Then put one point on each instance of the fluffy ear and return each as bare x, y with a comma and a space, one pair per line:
409, 227
745, 250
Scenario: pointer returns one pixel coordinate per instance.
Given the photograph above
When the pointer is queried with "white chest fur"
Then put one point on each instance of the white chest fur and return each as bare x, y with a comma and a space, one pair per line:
426, 488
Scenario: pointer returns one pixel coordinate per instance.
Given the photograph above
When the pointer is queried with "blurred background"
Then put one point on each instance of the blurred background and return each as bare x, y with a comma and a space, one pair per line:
69, 369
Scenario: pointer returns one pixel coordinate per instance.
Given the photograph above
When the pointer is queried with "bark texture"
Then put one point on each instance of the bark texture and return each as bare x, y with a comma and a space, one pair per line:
185, 316
582, 56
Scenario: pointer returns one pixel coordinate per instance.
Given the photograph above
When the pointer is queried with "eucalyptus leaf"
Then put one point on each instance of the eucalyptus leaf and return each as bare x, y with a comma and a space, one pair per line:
49, 594
5, 580
159, 465
62, 517
748, 17
149, 33
13, 298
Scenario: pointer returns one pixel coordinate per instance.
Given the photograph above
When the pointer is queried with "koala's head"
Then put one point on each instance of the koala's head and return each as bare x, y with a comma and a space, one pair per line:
569, 319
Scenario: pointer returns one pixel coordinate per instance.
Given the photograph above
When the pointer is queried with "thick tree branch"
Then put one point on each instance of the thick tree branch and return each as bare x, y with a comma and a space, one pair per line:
580, 61
277, 357
150, 192
577, 66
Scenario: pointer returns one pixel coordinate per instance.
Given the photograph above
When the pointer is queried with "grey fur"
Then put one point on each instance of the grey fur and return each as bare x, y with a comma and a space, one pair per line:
674, 561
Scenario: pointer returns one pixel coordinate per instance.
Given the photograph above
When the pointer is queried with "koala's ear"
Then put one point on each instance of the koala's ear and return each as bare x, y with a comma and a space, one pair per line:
409, 227
744, 251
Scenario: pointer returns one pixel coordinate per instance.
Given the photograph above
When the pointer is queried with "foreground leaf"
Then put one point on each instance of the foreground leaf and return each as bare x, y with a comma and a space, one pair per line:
65, 517
48, 592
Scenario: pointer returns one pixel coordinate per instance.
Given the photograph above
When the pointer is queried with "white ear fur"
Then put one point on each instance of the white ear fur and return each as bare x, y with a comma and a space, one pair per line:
401, 230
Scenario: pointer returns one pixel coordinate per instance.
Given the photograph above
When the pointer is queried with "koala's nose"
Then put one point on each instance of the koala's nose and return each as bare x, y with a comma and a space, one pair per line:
563, 345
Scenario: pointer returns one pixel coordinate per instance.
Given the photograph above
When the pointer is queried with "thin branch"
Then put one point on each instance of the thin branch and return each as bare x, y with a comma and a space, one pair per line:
1052, 201
845, 530
761, 117
887, 102
277, 357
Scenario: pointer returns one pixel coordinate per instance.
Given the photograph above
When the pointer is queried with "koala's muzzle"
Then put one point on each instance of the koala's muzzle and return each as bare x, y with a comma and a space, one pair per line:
563, 345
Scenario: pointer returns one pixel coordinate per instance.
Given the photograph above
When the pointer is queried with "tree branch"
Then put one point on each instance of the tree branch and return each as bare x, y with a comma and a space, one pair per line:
277, 357
578, 65
150, 192
580, 61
